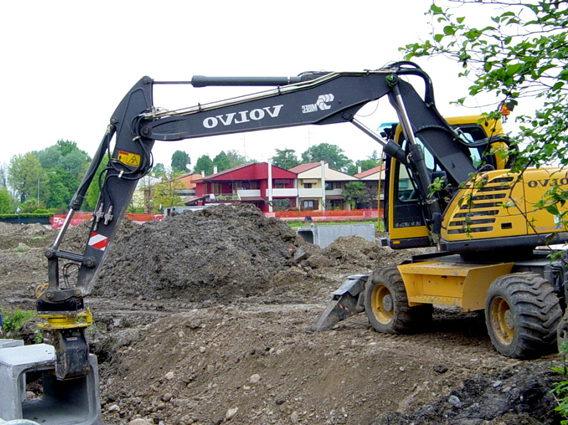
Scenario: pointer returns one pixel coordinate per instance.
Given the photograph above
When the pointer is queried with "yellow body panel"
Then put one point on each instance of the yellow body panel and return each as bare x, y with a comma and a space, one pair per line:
491, 127
499, 204
450, 283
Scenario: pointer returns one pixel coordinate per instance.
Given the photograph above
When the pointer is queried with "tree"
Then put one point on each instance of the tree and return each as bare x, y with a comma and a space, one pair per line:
159, 170
365, 164
356, 193
331, 154
285, 158
164, 194
237, 159
222, 162
3, 176
180, 162
204, 164
6, 202
94, 190
521, 52
65, 165
24, 173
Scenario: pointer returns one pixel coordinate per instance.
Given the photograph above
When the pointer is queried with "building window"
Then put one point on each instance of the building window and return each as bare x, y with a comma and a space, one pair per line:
328, 185
307, 185
308, 205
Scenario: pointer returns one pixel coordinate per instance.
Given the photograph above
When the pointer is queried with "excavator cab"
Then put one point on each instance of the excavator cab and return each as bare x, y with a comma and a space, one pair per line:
482, 140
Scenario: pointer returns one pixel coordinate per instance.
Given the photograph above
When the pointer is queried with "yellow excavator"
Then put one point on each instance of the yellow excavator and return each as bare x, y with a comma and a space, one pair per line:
448, 187
492, 254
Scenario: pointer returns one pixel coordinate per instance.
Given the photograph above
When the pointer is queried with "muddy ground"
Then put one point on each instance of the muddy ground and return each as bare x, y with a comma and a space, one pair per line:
202, 319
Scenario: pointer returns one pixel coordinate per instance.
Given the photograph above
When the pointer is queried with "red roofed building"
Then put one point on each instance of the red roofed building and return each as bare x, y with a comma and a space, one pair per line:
374, 180
265, 186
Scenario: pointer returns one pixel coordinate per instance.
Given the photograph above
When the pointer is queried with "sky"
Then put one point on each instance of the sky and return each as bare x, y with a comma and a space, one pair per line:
67, 64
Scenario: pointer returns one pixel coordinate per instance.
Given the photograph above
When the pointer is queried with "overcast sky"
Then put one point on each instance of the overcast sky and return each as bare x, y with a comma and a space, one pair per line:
67, 64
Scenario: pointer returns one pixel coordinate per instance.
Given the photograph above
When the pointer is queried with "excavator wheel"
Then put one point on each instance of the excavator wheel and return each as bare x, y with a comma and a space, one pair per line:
386, 304
522, 313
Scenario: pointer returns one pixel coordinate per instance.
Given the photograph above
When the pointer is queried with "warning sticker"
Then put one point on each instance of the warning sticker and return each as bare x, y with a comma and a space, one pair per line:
128, 158
98, 241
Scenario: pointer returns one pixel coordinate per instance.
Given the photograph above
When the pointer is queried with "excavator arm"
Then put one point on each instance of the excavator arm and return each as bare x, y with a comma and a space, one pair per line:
311, 98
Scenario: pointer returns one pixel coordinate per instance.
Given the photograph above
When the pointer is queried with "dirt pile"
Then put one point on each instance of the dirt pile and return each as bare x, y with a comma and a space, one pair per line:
217, 253
222, 254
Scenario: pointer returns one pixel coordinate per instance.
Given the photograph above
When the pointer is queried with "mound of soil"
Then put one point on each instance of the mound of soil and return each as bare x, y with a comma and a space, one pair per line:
219, 253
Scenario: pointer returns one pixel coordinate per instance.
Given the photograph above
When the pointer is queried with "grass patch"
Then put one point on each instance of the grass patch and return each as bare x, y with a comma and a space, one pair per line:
15, 319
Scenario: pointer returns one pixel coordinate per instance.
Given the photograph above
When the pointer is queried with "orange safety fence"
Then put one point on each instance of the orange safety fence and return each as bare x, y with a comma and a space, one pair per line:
57, 221
330, 215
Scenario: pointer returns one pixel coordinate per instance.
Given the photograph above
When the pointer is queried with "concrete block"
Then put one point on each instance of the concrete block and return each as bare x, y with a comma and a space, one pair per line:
7, 343
71, 402
326, 235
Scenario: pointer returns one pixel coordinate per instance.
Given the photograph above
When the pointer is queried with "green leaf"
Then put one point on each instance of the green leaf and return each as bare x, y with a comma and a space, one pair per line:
449, 30
513, 69
436, 10
552, 209
438, 37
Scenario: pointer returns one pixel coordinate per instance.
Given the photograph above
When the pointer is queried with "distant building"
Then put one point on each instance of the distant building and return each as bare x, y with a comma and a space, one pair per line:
320, 187
262, 184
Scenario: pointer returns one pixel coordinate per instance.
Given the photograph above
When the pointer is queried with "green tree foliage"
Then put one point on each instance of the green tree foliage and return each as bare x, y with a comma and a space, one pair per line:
356, 193
204, 164
180, 162
24, 173
237, 159
285, 158
164, 194
331, 154
365, 164
95, 188
67, 156
521, 51
159, 170
6, 202
3, 176
59, 193
65, 165
222, 161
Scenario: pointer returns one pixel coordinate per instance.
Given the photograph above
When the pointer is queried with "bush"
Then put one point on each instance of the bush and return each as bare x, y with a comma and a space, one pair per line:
560, 389
14, 320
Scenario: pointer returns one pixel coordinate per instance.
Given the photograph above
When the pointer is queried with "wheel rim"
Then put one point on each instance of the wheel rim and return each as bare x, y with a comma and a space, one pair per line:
382, 304
502, 321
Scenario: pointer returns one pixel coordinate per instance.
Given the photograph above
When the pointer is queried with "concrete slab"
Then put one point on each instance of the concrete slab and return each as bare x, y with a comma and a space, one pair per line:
326, 235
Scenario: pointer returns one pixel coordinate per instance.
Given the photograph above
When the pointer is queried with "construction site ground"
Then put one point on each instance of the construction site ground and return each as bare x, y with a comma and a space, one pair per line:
202, 319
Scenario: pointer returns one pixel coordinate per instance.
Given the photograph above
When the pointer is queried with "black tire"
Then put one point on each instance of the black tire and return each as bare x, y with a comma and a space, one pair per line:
522, 313
386, 304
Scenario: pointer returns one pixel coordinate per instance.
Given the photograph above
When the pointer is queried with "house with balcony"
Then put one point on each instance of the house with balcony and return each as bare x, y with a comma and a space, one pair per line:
320, 187
374, 180
188, 180
262, 184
